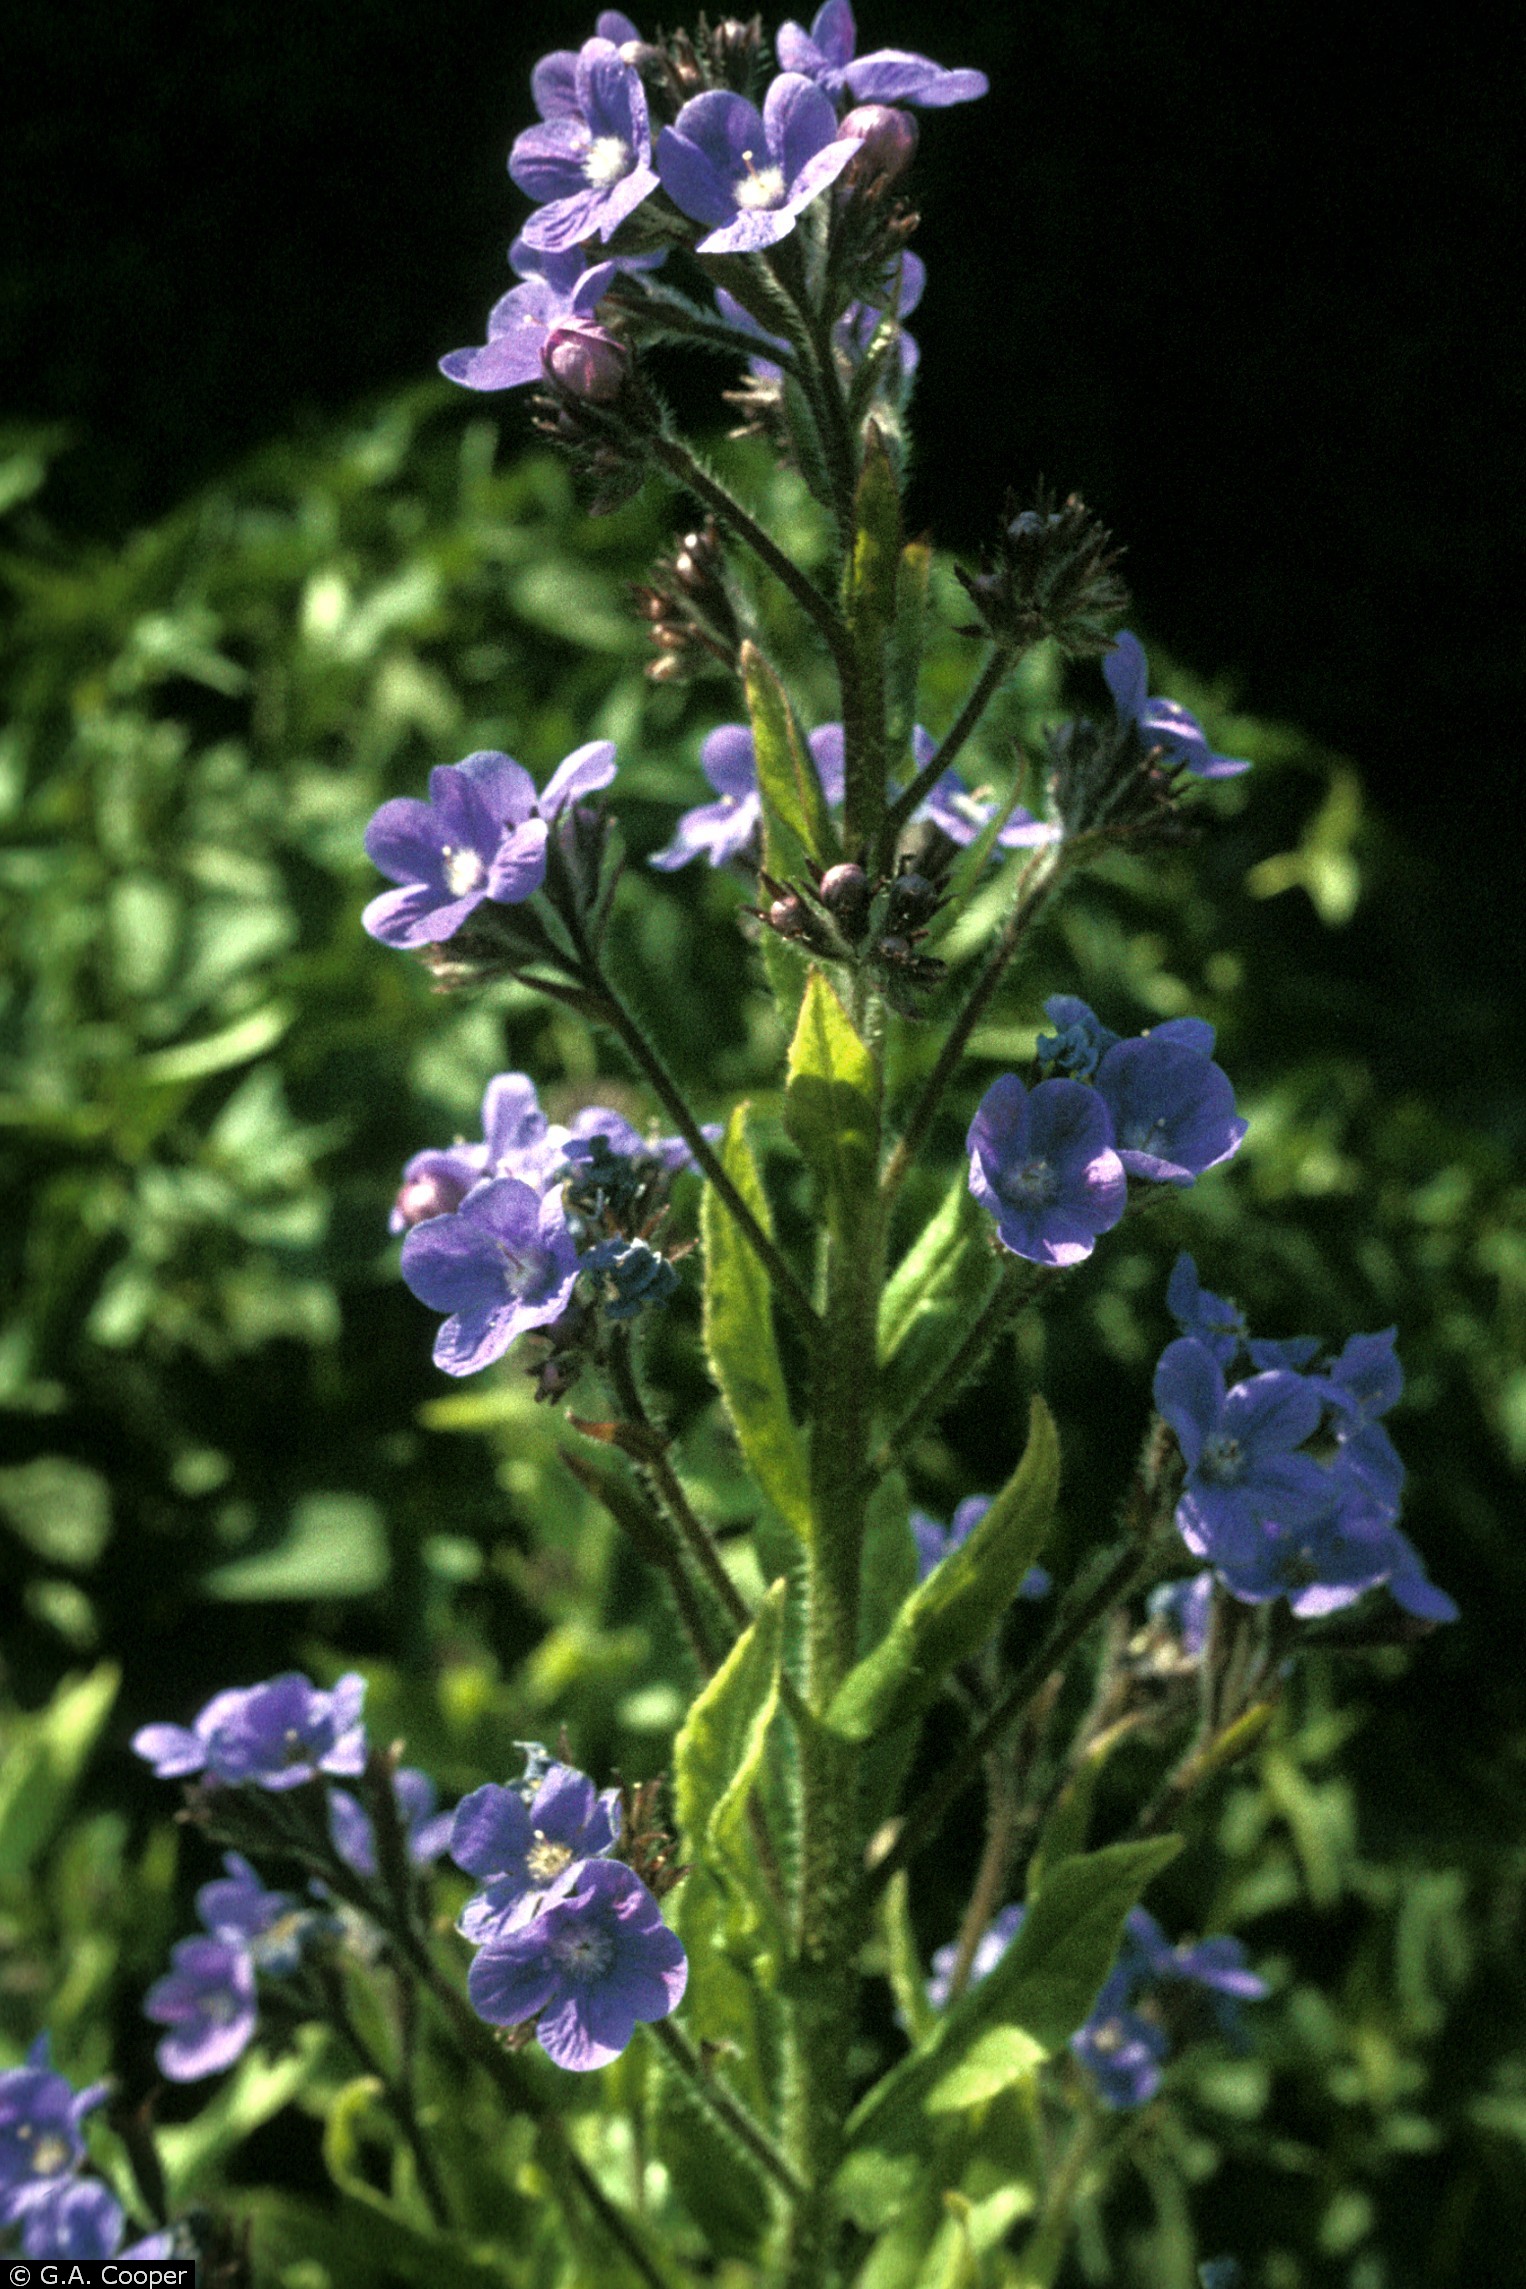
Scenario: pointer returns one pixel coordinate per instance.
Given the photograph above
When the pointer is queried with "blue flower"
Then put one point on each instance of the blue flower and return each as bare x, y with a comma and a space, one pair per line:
1214, 1321
40, 2116
277, 1734
504, 1263
729, 828
991, 1946
207, 2002
595, 1962
1123, 2052
554, 81
749, 175
426, 1831
962, 816
826, 55
1044, 1165
67, 2217
934, 1542
1173, 1109
1245, 1476
478, 836
237, 1907
524, 1848
1161, 723
588, 165
1184, 1608
1080, 1040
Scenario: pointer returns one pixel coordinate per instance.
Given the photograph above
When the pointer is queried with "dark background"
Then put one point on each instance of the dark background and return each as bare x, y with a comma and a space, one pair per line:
1243, 279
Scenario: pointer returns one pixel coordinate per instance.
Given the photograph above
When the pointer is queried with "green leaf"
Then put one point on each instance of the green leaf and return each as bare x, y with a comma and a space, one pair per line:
993, 2062
43, 1759
933, 1294
953, 1612
739, 1337
1043, 1987
831, 1104
1064, 1832
59, 1508
876, 562
718, 1759
256, 2091
787, 776
904, 1960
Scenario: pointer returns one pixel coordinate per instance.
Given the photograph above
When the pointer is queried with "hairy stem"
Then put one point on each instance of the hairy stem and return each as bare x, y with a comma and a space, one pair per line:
1015, 1286
727, 2108
979, 699
650, 1453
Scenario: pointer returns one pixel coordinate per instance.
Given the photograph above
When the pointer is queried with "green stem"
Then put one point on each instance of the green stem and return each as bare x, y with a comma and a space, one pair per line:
822, 383
665, 1485
726, 2108
398, 2096
624, 1024
979, 699
1038, 880
679, 462
991, 1876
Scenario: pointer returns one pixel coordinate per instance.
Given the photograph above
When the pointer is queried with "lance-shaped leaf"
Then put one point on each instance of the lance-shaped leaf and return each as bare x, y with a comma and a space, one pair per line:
933, 1294
787, 775
718, 1758
739, 1337
1039, 1992
1063, 1834
953, 1612
831, 1105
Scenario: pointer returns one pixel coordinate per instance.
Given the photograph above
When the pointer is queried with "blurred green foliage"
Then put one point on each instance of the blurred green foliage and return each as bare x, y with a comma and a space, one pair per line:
226, 1451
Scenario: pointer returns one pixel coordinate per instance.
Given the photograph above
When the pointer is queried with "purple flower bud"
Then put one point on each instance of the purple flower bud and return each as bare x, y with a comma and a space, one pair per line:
586, 361
889, 140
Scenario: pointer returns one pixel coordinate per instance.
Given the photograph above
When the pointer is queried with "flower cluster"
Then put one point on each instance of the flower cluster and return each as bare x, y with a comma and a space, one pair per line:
497, 1233
275, 1736
1052, 1163
731, 827
1293, 1484
714, 171
1155, 1997
567, 1936
49, 2207
934, 1542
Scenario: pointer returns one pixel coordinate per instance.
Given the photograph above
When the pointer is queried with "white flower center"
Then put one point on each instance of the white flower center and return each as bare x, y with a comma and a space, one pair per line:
50, 2157
464, 871
546, 1859
1222, 1460
584, 1953
760, 186
1143, 1136
1108, 2037
609, 159
1033, 1185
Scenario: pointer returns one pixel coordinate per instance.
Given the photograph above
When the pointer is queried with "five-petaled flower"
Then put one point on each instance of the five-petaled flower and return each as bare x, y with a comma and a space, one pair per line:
1043, 1164
590, 1967
588, 164
503, 1263
825, 54
749, 175
525, 1849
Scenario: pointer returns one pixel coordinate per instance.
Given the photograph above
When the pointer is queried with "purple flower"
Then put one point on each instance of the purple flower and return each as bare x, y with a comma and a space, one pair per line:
587, 166
729, 828
554, 81
67, 2217
1245, 1478
276, 1735
556, 290
237, 1906
478, 836
40, 2116
589, 1967
934, 1542
748, 175
1044, 1165
505, 1262
207, 2003
1363, 1383
1173, 1109
1123, 2053
523, 1849
1217, 1324
1325, 1563
1160, 722
890, 75
427, 1831
963, 816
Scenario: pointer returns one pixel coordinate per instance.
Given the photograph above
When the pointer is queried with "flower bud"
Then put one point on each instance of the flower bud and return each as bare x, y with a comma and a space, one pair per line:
424, 1196
787, 915
586, 361
844, 893
911, 902
889, 140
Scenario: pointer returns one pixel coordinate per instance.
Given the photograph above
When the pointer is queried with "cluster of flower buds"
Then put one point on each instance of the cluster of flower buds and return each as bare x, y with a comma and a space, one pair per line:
841, 914
689, 611
1053, 576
